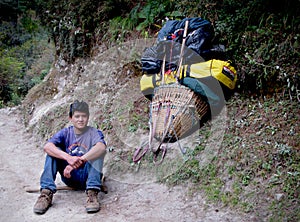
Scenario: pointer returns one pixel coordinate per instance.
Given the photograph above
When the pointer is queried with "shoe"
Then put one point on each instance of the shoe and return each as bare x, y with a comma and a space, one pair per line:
43, 202
92, 203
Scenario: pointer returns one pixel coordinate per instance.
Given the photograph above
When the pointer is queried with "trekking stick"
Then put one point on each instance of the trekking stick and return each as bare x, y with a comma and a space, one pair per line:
163, 66
36, 189
182, 47
103, 189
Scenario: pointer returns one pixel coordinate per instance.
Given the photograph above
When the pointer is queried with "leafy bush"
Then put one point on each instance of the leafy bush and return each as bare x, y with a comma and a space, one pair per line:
22, 43
262, 37
77, 25
10, 70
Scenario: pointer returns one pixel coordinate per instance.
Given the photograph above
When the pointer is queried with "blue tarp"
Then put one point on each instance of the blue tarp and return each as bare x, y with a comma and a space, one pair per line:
172, 25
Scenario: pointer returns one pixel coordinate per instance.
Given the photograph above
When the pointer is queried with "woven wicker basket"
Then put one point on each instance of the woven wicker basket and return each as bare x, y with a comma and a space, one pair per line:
175, 110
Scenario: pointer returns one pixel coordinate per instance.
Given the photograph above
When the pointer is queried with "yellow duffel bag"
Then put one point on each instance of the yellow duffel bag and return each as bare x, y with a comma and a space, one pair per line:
223, 71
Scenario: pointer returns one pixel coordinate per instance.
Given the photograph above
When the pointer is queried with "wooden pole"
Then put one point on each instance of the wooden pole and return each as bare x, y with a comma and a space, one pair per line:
103, 188
36, 190
182, 47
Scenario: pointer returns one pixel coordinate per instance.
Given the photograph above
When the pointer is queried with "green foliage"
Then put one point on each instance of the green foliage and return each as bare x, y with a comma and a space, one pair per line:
136, 122
77, 25
29, 23
119, 29
22, 42
262, 37
152, 12
22, 45
12, 35
10, 70
22, 67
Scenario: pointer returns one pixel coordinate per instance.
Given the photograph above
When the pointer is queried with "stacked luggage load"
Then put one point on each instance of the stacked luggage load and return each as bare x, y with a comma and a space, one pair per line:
186, 77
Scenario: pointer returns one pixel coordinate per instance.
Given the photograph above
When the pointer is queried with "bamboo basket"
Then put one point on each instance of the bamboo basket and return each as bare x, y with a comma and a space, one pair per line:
175, 110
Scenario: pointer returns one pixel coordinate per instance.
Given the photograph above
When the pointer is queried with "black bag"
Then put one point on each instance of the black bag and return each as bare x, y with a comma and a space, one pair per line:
198, 41
151, 64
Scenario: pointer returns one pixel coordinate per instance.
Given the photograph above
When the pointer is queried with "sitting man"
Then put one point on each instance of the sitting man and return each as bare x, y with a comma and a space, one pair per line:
77, 153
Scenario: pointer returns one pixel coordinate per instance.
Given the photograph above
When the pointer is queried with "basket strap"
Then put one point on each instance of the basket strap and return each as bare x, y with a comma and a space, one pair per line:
162, 148
137, 156
183, 151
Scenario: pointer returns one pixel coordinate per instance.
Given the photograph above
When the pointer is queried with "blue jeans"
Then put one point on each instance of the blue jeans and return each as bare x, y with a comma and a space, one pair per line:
86, 177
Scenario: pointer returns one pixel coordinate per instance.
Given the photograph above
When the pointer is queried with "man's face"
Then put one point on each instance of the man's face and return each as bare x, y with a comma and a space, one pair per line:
79, 120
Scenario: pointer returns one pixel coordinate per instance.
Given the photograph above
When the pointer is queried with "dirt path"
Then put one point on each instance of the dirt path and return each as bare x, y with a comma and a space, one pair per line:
21, 165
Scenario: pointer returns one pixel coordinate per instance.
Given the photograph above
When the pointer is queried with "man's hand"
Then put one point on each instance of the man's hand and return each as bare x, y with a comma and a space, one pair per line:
83, 159
75, 161
67, 171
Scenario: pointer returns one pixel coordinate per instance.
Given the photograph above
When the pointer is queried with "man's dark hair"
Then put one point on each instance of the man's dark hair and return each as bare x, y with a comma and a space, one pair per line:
79, 106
